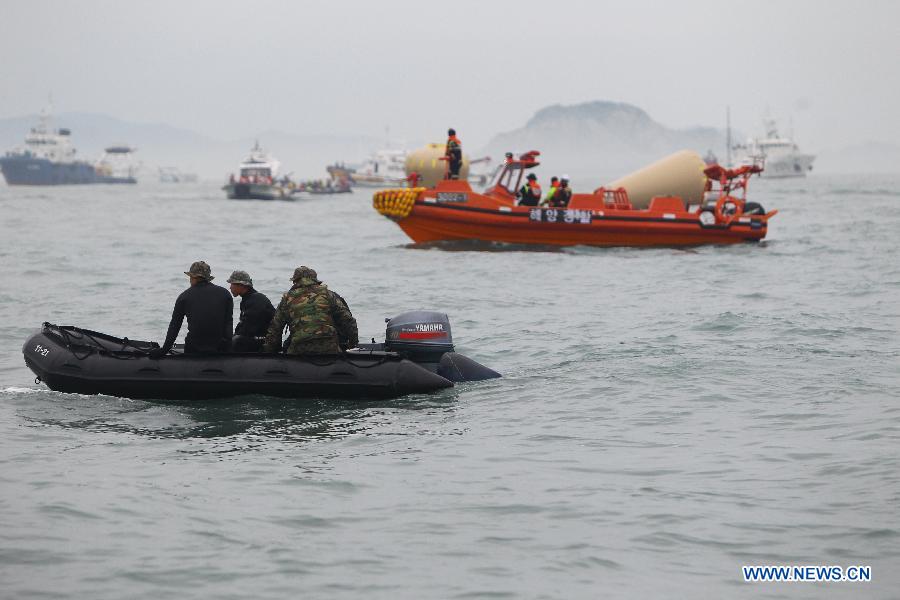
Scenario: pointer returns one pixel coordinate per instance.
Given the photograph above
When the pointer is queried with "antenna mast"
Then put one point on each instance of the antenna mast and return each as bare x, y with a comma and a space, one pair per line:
728, 136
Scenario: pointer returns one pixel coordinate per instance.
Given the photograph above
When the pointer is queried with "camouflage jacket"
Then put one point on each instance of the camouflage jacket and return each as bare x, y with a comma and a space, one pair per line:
319, 320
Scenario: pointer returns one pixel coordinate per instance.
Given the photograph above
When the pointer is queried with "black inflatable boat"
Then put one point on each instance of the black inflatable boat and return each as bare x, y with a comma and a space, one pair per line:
416, 357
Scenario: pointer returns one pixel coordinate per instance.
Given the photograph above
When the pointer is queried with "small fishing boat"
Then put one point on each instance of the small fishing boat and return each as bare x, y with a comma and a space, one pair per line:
416, 357
176, 175
718, 213
383, 167
324, 188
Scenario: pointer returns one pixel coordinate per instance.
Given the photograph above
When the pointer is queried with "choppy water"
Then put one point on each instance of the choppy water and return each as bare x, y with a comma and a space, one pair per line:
666, 416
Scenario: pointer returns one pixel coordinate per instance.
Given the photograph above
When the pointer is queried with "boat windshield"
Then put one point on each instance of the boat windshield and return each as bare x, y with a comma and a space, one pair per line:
495, 176
507, 176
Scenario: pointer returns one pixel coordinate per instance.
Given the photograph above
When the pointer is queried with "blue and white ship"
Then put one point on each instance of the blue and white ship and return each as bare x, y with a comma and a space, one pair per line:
48, 158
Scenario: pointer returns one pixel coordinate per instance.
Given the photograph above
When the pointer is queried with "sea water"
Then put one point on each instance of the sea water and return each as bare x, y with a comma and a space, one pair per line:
666, 416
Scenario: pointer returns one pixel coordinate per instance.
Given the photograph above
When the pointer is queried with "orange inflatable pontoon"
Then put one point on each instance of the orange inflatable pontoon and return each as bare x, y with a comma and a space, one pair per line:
452, 210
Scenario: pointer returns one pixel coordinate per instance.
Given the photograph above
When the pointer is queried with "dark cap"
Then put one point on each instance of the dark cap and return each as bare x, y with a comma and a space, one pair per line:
532, 176
200, 269
305, 275
451, 131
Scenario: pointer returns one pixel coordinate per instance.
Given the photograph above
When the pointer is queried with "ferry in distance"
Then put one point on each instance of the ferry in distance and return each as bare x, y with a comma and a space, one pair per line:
49, 158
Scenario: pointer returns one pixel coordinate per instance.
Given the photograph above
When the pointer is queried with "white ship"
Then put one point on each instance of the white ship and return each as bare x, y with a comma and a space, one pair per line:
176, 175
778, 156
384, 167
117, 165
257, 178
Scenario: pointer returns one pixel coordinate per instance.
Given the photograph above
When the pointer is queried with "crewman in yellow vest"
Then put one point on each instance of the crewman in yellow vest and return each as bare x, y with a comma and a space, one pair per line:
554, 184
530, 192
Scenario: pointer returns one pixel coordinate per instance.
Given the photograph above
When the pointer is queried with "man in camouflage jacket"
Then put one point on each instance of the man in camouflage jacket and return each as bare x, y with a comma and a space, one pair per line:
319, 320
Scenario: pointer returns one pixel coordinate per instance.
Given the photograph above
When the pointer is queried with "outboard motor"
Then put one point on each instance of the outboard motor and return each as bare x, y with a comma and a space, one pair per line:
424, 337
420, 335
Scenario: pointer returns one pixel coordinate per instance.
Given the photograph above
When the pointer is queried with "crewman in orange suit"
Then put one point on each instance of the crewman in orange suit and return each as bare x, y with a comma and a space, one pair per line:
453, 154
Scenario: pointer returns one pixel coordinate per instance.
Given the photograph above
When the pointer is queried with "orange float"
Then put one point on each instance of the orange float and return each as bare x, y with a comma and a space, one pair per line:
452, 210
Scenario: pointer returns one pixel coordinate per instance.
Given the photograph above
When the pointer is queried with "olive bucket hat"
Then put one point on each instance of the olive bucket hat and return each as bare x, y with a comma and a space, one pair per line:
241, 277
200, 269
305, 275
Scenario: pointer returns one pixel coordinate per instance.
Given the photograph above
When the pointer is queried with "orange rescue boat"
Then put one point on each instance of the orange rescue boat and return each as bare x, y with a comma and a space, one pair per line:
452, 210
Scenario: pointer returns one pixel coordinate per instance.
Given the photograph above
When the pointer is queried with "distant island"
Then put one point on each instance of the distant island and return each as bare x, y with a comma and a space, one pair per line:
602, 138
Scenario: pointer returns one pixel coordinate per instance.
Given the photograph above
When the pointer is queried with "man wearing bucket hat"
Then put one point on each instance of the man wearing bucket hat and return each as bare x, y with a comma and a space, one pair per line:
208, 309
320, 321
256, 314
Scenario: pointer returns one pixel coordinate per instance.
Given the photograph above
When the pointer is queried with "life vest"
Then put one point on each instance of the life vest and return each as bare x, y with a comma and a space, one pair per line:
454, 148
552, 191
532, 188
562, 196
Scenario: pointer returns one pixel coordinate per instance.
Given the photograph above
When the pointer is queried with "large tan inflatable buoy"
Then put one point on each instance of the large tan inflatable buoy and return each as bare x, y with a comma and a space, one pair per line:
680, 174
426, 162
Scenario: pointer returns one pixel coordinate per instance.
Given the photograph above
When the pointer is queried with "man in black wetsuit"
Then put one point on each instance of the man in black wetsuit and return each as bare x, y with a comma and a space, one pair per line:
256, 314
208, 309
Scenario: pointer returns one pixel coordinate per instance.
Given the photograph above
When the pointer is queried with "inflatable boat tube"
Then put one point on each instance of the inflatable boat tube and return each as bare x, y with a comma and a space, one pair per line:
75, 360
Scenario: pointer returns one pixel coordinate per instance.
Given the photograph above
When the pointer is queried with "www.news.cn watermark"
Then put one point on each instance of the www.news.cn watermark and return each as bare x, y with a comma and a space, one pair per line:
793, 573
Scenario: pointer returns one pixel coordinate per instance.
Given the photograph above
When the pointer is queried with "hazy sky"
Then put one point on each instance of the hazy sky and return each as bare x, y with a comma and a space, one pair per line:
232, 69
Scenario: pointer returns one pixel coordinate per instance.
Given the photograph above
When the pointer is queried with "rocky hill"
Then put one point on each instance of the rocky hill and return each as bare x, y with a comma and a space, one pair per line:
601, 139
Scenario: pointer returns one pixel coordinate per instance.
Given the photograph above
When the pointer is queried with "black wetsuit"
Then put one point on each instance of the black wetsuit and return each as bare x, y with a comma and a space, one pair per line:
208, 309
256, 314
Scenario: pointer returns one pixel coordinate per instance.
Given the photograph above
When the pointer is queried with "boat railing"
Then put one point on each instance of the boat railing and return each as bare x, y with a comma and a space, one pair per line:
728, 182
616, 198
